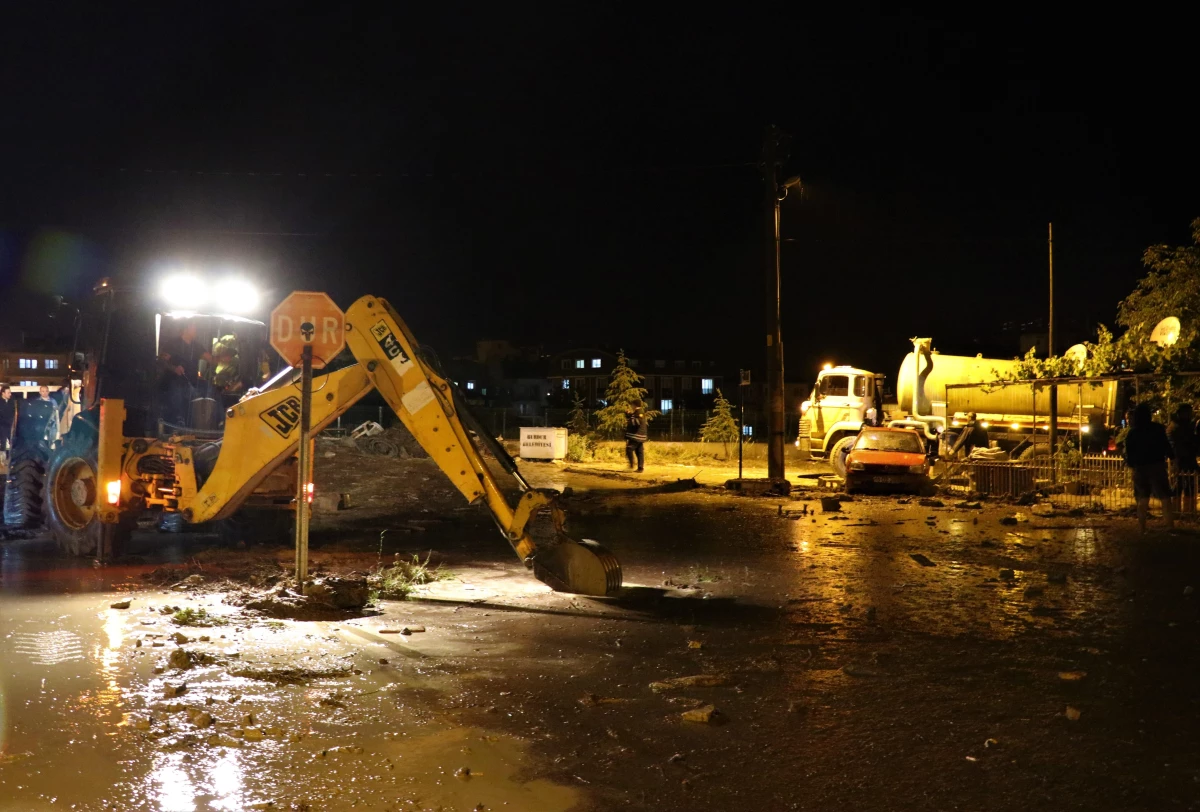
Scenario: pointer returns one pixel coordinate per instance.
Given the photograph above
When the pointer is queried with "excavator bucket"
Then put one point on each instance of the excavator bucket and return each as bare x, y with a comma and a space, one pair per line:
583, 567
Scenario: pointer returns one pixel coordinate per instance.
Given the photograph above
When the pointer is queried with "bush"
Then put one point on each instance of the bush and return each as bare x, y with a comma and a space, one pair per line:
580, 447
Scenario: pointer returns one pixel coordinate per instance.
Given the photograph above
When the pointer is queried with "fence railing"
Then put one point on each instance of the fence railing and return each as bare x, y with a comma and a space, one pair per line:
1091, 482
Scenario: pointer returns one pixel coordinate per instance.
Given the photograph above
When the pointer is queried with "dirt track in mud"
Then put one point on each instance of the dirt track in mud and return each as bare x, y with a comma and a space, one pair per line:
887, 656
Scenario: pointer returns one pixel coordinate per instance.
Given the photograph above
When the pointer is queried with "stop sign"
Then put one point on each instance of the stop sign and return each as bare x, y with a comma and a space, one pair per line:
308, 318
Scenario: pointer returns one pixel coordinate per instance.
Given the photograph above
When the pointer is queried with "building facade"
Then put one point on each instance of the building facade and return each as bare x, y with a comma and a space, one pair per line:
670, 382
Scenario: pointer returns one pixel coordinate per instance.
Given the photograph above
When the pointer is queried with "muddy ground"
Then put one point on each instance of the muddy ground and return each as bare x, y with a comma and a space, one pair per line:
890, 655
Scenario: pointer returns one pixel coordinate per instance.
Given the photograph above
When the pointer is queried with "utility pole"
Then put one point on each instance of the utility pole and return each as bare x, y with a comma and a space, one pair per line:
1050, 351
775, 405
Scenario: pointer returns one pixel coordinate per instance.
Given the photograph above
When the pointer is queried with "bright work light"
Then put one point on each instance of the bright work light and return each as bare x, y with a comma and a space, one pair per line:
235, 295
184, 290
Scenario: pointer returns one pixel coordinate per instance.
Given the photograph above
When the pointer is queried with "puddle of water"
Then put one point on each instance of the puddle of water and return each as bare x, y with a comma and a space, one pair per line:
85, 723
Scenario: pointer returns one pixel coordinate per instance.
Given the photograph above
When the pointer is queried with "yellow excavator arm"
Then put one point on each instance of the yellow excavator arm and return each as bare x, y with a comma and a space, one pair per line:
262, 432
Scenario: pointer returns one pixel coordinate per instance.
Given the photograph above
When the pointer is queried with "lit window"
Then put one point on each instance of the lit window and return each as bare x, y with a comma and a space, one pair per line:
706, 386
748, 431
484, 392
660, 364
666, 405
470, 384
595, 363
579, 363
28, 363
51, 363
29, 383
566, 383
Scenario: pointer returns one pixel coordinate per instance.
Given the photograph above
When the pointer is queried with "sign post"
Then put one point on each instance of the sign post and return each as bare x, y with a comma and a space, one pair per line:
307, 330
742, 384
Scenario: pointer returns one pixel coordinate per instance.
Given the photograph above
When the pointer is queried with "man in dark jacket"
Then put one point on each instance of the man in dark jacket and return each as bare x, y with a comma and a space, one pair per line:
1146, 452
1181, 432
636, 434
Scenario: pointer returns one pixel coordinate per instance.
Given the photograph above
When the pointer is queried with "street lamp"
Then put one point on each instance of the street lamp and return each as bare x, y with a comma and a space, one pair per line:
775, 193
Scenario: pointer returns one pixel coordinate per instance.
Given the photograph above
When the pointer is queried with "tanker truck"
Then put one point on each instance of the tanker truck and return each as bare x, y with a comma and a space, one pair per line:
934, 395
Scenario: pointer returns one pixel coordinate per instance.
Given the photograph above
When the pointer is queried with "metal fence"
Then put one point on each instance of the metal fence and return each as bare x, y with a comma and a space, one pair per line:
1090, 482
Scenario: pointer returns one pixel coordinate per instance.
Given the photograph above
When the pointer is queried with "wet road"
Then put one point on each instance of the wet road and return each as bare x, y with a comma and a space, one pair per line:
1044, 662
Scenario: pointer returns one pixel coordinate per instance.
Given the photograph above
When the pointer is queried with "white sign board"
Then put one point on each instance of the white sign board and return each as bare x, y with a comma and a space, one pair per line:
543, 444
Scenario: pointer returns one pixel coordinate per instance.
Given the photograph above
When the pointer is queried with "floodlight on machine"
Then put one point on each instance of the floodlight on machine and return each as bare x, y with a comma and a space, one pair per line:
184, 290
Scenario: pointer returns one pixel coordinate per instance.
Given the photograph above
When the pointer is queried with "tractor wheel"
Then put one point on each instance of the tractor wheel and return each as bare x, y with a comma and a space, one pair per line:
837, 455
258, 526
73, 494
1035, 451
24, 488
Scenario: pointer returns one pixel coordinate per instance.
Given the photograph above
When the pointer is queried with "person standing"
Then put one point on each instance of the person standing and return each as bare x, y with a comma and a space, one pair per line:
8, 418
1146, 453
181, 356
637, 429
1181, 432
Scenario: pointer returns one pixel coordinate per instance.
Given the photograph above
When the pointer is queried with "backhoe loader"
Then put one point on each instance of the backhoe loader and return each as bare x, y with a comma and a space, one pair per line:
121, 458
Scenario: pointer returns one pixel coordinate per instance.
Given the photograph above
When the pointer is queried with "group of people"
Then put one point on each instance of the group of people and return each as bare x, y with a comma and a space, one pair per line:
25, 420
191, 370
1154, 452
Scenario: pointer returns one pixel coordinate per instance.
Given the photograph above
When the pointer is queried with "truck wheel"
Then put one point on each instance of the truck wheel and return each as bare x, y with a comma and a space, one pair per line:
73, 494
258, 526
837, 455
1035, 451
24, 488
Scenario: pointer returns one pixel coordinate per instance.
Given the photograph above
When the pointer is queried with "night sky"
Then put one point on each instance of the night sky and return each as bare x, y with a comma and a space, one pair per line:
562, 177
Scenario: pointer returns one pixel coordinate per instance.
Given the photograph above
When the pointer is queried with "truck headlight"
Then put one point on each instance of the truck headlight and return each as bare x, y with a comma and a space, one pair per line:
916, 469
855, 465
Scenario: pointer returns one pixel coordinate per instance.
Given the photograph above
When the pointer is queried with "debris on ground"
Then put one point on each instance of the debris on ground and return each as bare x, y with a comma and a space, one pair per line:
119, 605
694, 681
412, 630
191, 582
1071, 676
1073, 713
1009, 520
595, 701
328, 595
931, 503
830, 504
860, 671
922, 560
1007, 574
706, 715
194, 617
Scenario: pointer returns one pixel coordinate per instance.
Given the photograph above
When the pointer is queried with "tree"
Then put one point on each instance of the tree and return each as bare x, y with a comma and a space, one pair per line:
578, 421
622, 395
1171, 288
720, 427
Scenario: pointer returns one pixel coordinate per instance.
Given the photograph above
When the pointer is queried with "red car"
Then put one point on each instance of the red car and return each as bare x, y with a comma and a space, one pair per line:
888, 459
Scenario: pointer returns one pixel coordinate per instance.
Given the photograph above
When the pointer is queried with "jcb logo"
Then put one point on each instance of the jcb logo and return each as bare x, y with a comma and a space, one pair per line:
387, 341
283, 417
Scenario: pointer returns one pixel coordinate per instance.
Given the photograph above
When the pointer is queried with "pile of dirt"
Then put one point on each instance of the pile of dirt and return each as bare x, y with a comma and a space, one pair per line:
329, 596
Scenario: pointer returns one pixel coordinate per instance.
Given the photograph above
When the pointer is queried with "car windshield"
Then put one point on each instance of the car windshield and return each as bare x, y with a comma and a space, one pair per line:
904, 441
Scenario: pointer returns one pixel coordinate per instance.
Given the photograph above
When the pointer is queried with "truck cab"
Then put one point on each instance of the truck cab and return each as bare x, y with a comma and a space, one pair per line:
840, 401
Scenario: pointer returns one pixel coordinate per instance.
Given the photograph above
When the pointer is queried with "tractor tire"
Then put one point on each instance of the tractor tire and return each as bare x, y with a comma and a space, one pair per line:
837, 454
1035, 451
262, 526
24, 488
73, 494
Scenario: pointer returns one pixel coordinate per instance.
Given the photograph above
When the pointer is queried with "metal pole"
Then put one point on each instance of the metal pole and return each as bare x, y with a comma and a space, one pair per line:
741, 425
304, 474
1050, 354
775, 416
